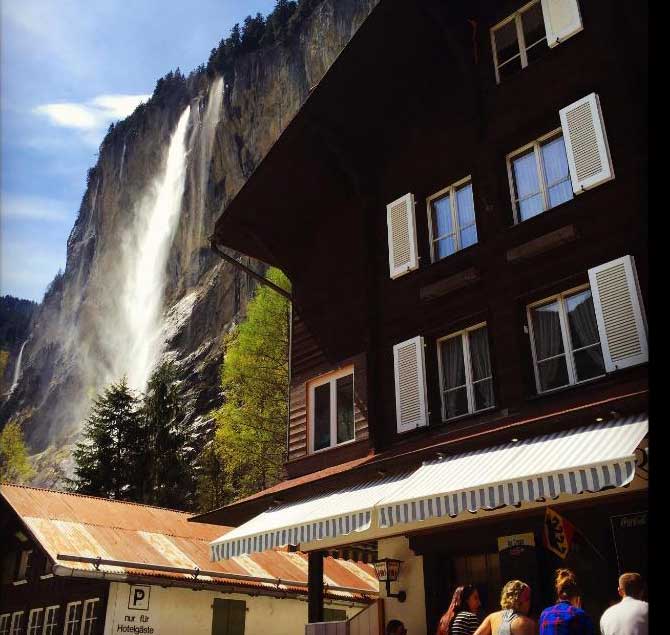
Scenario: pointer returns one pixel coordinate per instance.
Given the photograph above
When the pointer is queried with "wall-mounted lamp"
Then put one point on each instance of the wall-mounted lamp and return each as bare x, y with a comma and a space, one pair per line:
387, 570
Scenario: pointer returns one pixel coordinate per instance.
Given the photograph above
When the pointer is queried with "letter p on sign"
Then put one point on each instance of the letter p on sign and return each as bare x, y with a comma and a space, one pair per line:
139, 597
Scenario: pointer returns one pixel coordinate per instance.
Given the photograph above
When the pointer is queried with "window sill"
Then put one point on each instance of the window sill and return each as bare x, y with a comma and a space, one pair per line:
19, 582
568, 388
332, 447
468, 415
46, 576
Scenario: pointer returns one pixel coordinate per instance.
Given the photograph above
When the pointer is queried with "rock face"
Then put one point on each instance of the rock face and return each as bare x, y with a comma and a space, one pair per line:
77, 335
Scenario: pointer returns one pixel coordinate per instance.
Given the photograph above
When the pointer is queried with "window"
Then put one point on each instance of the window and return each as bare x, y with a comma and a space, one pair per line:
4, 623
15, 628
451, 219
72, 618
518, 40
334, 615
539, 176
228, 617
331, 406
466, 378
25, 565
35, 622
51, 620
565, 340
89, 616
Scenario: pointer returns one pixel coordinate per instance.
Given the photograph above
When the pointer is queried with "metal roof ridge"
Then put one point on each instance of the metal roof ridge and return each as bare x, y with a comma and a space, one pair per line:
100, 498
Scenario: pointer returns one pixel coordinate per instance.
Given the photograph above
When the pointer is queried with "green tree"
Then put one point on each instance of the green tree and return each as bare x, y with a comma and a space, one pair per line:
14, 464
170, 475
106, 457
251, 424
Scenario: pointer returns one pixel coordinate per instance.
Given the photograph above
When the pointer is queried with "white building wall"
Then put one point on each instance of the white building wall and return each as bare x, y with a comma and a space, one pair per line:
411, 612
179, 611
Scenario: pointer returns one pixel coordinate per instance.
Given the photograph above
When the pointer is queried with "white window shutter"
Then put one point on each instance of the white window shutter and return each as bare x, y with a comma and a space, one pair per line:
619, 313
561, 20
586, 143
401, 224
410, 384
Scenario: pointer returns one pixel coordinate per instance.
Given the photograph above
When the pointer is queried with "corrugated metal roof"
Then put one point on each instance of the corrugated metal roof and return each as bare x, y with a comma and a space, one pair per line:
88, 526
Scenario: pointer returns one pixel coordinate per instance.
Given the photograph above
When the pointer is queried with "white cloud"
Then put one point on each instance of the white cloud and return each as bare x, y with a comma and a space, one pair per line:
33, 208
93, 116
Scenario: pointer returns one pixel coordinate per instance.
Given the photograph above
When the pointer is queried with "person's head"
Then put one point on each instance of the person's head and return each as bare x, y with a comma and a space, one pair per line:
630, 584
395, 627
566, 586
465, 598
515, 595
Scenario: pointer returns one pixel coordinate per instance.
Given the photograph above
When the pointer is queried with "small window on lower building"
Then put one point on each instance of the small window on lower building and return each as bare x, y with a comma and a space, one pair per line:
72, 618
331, 409
334, 615
4, 623
466, 378
16, 627
51, 620
565, 340
539, 176
228, 617
89, 616
35, 622
25, 564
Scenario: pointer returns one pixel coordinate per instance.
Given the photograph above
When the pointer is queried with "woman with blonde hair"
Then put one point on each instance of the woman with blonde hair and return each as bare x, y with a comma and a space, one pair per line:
566, 617
512, 620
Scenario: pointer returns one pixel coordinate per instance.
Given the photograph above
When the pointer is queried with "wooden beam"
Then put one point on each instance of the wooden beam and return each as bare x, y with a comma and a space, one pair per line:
315, 586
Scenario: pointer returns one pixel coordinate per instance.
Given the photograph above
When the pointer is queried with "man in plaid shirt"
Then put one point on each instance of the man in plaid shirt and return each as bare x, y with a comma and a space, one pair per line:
566, 617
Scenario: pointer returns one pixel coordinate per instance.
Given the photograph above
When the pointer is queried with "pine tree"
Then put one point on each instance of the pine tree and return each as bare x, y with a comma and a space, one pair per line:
14, 464
170, 478
106, 457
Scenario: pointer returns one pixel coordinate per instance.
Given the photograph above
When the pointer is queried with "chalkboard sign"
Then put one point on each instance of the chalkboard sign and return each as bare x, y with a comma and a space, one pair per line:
630, 541
518, 558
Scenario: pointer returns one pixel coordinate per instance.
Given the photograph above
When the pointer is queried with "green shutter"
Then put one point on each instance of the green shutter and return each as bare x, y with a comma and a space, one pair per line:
334, 615
228, 617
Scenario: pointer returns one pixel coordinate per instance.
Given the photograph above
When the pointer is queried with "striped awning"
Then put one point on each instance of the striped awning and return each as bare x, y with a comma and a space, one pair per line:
586, 459
337, 513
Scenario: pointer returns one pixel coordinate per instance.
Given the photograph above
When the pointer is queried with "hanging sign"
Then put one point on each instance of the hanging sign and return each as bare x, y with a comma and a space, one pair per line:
558, 533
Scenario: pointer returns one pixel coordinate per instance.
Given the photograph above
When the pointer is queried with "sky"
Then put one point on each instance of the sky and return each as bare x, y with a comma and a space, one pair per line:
68, 68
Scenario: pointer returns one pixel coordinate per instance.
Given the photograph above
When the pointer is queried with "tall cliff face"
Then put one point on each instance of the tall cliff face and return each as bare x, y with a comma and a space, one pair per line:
79, 337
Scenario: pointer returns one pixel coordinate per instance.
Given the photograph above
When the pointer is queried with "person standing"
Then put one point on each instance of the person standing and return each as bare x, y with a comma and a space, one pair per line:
631, 615
566, 617
512, 620
461, 617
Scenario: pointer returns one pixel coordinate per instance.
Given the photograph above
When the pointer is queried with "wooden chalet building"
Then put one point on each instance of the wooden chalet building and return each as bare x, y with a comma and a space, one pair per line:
82, 565
461, 207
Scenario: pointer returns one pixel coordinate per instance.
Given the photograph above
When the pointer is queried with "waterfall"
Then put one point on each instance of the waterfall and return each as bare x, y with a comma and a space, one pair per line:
17, 369
123, 160
145, 263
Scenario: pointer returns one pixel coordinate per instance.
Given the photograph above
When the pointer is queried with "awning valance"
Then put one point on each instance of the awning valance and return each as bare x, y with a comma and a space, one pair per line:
586, 459
337, 513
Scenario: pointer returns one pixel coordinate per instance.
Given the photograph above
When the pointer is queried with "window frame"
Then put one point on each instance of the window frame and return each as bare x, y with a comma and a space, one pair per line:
35, 629
5, 620
536, 146
467, 360
15, 626
520, 37
67, 621
451, 191
330, 378
24, 565
568, 350
90, 619
49, 627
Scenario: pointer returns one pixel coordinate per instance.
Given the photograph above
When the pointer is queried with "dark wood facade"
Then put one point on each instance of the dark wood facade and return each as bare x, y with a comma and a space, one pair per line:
412, 105
38, 588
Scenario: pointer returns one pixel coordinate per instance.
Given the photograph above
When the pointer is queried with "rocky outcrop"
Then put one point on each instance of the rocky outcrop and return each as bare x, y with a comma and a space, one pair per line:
72, 351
